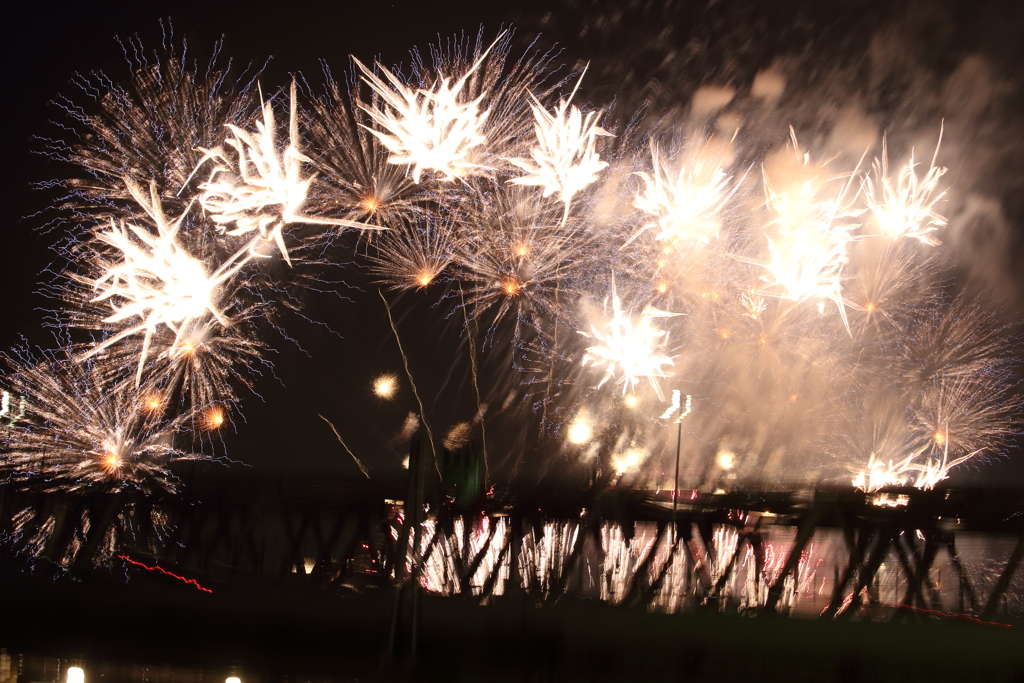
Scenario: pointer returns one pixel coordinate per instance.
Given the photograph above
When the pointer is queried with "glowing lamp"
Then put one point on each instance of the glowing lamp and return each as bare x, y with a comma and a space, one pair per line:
76, 675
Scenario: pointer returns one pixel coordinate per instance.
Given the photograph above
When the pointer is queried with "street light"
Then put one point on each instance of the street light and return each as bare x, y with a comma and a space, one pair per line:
676, 395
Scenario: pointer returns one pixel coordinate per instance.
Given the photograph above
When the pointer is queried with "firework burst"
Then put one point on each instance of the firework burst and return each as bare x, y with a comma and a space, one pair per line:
152, 281
259, 189
81, 432
904, 206
629, 351
565, 159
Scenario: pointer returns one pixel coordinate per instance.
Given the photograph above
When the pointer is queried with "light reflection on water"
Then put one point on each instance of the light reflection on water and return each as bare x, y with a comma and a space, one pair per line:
607, 570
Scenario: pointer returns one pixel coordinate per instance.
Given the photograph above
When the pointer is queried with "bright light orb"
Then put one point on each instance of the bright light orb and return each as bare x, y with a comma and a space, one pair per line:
214, 418
726, 459
76, 675
385, 386
580, 431
628, 461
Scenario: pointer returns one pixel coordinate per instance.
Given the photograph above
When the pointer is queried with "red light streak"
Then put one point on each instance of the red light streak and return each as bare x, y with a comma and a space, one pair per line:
955, 616
164, 571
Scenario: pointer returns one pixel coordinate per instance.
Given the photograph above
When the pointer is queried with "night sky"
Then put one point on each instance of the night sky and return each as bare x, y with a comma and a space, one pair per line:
854, 69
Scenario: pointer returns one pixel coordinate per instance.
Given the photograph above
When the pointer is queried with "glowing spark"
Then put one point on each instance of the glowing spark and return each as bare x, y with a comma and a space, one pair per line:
629, 460
565, 160
631, 401
628, 350
458, 436
754, 305
385, 385
903, 207
685, 199
359, 463
431, 128
808, 249
413, 256
257, 188
5, 409
580, 430
934, 470
878, 474
213, 418
726, 459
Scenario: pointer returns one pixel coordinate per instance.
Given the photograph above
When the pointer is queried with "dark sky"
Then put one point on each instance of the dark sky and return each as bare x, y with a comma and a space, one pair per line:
893, 65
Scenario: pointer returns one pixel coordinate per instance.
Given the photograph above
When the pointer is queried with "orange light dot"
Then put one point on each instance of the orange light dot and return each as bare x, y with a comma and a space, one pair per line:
511, 287
370, 204
214, 418
763, 339
940, 438
793, 398
424, 278
724, 334
154, 402
662, 287
870, 308
522, 249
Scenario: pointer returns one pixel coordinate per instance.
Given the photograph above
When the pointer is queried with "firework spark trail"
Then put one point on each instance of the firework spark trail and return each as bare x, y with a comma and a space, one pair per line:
153, 129
160, 569
206, 366
481, 408
353, 163
362, 467
412, 256
412, 383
